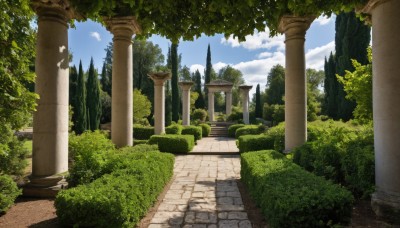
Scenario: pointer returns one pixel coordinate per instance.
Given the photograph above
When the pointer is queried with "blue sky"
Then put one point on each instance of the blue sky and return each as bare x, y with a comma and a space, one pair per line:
254, 57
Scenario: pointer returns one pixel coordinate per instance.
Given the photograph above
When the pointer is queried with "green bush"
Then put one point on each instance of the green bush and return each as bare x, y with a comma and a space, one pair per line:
138, 141
120, 198
250, 130
192, 130
232, 129
12, 153
236, 115
255, 142
173, 143
174, 129
205, 129
142, 132
8, 193
199, 115
88, 154
290, 196
140, 148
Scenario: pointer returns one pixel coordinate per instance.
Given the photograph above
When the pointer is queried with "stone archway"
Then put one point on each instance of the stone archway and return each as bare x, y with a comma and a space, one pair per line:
219, 86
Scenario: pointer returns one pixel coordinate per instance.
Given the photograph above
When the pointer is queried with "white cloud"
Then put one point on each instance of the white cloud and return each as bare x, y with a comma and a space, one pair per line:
323, 20
259, 40
264, 55
219, 65
95, 35
315, 57
195, 67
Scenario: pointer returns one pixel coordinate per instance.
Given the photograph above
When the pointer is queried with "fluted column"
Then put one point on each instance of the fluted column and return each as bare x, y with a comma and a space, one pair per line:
295, 80
228, 98
50, 121
386, 106
245, 102
123, 29
159, 79
185, 87
210, 105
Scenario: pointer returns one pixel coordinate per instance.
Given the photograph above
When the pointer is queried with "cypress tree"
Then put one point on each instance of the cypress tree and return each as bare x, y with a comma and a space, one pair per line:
331, 85
174, 82
105, 80
258, 109
168, 105
93, 98
199, 103
73, 80
80, 125
207, 74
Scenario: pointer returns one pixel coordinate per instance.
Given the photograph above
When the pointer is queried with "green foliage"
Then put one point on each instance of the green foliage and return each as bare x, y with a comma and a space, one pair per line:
140, 148
205, 129
193, 130
236, 115
105, 100
80, 125
275, 89
173, 143
174, 83
331, 88
273, 139
142, 132
168, 105
200, 102
8, 193
130, 187
258, 108
174, 129
199, 115
234, 76
73, 82
105, 79
207, 76
141, 106
250, 130
274, 113
290, 196
93, 102
232, 129
139, 141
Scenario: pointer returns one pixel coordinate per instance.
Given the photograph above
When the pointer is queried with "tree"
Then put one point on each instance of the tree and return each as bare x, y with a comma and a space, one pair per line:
314, 96
168, 105
106, 73
141, 106
200, 103
73, 83
80, 112
275, 88
331, 88
184, 74
233, 75
258, 108
174, 82
93, 102
207, 74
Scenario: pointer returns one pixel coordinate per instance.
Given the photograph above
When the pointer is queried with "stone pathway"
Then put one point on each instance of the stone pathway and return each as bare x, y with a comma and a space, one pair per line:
204, 193
216, 145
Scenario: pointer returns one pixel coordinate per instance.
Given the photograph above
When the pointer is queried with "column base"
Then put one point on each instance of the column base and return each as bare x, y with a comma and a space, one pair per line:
44, 187
386, 206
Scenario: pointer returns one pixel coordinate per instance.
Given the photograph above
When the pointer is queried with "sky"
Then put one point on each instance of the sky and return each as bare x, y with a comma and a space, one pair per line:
254, 57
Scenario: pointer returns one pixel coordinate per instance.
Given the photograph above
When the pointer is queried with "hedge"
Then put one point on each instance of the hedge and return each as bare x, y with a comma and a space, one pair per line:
140, 141
173, 143
250, 130
120, 198
255, 142
289, 196
174, 129
8, 193
142, 132
232, 129
205, 129
140, 148
193, 130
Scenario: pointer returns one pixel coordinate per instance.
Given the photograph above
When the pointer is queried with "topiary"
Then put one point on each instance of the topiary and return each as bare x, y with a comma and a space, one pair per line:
199, 114
8, 193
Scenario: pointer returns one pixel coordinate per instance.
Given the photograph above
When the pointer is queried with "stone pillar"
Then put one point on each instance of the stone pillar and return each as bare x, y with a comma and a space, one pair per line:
228, 98
295, 80
159, 79
210, 105
185, 86
50, 121
386, 106
123, 29
245, 102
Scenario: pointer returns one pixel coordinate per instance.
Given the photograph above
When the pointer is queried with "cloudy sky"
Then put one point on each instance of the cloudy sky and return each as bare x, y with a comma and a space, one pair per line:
254, 57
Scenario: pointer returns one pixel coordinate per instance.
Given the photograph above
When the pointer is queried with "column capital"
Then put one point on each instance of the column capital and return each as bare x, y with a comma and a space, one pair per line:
295, 27
159, 77
245, 88
58, 10
371, 4
186, 85
122, 27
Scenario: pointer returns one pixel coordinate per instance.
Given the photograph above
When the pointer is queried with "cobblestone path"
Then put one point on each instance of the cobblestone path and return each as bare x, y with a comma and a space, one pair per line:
204, 193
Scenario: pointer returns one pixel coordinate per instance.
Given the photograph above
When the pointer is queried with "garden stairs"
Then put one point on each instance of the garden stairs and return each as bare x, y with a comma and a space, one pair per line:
219, 129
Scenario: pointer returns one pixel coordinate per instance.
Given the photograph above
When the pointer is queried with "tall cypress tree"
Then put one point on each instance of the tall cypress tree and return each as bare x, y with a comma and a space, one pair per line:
258, 109
174, 82
80, 125
93, 98
331, 85
199, 103
207, 74
168, 105
73, 82
105, 80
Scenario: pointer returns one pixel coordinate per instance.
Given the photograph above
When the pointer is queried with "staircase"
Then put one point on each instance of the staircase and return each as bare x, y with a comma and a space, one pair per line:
219, 129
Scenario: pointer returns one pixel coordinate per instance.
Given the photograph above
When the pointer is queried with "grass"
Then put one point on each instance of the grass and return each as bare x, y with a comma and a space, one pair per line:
28, 146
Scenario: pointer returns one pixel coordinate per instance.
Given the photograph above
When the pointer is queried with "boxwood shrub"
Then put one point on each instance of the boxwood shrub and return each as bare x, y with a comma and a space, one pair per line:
255, 142
205, 129
120, 198
250, 130
139, 141
193, 130
140, 148
174, 129
8, 193
289, 196
173, 143
142, 132
232, 129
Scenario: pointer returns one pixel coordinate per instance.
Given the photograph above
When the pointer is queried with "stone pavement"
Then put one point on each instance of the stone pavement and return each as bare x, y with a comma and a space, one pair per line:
204, 193
216, 145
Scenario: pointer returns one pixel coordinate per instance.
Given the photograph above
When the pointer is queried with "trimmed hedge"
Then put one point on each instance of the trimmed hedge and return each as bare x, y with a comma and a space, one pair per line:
192, 130
250, 130
8, 193
174, 129
140, 148
255, 142
232, 129
121, 197
290, 196
205, 129
173, 143
139, 141
142, 132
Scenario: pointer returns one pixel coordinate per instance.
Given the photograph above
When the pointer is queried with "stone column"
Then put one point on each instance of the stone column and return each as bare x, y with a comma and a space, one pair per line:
185, 86
295, 80
210, 105
386, 106
50, 121
159, 79
228, 98
245, 102
123, 29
